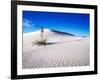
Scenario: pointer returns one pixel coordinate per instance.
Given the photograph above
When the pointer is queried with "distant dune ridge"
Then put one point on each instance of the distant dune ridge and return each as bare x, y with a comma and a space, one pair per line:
62, 50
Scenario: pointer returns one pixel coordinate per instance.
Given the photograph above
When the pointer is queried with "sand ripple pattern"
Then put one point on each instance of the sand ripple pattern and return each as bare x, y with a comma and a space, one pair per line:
66, 54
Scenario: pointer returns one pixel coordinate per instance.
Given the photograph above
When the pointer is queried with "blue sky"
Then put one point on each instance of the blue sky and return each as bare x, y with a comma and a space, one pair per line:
74, 23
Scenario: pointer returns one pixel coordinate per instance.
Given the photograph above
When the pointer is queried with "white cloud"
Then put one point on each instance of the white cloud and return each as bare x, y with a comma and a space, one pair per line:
28, 23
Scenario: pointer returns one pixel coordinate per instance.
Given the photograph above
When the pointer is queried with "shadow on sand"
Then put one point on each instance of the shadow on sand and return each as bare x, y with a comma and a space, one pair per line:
52, 43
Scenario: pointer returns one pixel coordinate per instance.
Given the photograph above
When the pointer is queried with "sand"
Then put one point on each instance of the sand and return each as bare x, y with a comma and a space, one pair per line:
65, 51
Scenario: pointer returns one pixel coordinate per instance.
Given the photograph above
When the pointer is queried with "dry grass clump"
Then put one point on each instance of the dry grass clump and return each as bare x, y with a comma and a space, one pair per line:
40, 42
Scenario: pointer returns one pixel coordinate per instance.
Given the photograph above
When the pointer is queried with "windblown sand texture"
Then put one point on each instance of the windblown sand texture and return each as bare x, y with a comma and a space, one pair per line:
62, 50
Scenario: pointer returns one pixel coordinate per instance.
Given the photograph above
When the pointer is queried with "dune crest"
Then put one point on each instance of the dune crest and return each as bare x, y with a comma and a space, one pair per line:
61, 50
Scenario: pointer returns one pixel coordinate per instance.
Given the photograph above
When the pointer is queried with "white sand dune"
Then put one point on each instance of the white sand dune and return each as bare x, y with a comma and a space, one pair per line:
64, 51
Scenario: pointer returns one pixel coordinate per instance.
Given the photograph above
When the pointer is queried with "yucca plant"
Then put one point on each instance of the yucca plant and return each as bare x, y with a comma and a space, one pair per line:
42, 40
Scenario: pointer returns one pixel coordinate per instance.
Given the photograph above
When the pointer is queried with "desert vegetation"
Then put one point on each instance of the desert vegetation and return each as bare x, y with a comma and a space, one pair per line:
42, 40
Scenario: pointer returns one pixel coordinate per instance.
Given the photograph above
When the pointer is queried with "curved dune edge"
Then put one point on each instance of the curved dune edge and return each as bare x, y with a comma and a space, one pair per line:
68, 51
